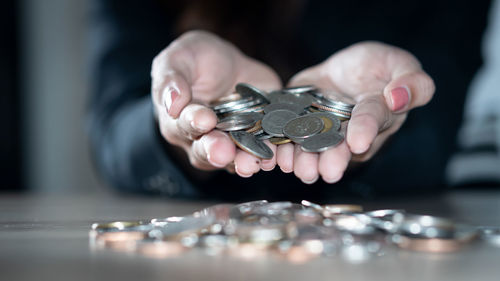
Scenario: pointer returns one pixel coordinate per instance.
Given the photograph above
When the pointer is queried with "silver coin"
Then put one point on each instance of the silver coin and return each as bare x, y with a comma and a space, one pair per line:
334, 99
303, 100
335, 121
239, 121
322, 142
287, 106
251, 144
299, 90
231, 103
274, 122
246, 90
240, 106
303, 127
274, 96
341, 114
263, 136
257, 108
258, 132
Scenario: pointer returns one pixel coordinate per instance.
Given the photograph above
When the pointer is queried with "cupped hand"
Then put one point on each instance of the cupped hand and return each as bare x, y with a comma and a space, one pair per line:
384, 81
192, 71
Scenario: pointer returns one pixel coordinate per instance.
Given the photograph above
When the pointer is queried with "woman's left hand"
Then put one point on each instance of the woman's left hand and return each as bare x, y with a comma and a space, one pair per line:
386, 82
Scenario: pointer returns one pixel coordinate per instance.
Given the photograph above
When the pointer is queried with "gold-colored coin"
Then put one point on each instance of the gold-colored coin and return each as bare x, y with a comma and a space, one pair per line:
255, 128
327, 124
278, 140
342, 208
432, 245
115, 226
161, 249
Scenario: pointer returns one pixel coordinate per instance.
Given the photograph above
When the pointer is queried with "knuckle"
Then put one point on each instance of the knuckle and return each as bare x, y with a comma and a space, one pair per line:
193, 160
158, 61
193, 33
426, 88
169, 136
185, 132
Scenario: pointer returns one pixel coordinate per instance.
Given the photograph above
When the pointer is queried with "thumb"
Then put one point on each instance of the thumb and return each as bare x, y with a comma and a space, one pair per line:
409, 91
171, 74
176, 94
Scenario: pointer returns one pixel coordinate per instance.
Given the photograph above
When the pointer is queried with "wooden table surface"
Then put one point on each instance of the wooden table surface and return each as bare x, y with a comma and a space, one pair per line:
47, 238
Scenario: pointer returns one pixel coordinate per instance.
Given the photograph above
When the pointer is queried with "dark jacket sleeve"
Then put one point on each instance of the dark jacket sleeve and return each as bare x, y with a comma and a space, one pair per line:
128, 149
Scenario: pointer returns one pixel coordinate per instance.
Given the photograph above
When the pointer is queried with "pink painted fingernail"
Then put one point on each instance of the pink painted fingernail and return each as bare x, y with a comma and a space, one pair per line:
170, 95
400, 97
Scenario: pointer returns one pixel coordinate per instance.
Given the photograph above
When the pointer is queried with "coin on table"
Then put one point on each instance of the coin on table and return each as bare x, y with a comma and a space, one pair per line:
286, 106
303, 127
341, 208
249, 143
274, 122
239, 121
322, 142
246, 90
330, 120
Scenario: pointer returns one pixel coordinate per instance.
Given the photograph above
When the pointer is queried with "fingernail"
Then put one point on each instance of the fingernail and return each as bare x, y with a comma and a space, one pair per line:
207, 143
267, 165
213, 163
400, 97
243, 175
310, 181
286, 171
200, 127
169, 96
333, 179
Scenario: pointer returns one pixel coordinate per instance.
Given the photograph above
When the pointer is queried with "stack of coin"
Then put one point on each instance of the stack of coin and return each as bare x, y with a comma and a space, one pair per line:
296, 231
338, 104
304, 115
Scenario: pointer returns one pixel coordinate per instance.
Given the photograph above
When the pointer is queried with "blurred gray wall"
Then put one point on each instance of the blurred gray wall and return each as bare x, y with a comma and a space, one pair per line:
55, 84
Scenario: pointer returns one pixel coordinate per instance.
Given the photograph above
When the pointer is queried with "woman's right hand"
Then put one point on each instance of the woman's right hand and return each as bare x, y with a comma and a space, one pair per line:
196, 69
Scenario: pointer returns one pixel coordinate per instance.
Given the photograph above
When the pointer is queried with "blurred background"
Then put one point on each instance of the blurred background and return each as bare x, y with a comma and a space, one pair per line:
44, 92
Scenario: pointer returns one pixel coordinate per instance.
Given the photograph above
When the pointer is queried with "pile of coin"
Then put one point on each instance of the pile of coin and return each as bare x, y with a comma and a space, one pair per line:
304, 115
297, 232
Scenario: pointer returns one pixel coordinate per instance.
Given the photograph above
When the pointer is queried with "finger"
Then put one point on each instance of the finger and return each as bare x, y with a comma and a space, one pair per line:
230, 168
369, 116
333, 163
408, 91
212, 150
308, 76
259, 75
269, 164
170, 132
246, 164
380, 139
196, 120
284, 157
305, 165
171, 75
